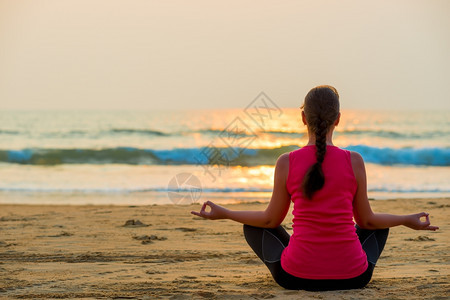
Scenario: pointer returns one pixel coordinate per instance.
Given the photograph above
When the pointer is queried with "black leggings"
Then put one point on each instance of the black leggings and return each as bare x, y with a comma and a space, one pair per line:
269, 243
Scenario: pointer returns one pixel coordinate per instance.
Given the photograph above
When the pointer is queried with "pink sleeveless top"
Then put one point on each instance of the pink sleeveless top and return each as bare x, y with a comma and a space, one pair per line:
324, 244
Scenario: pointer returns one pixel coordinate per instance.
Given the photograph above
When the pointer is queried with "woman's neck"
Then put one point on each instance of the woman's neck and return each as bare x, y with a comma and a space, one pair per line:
312, 138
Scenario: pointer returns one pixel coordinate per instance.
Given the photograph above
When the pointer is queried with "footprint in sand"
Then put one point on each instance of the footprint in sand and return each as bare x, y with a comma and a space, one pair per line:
208, 295
421, 238
148, 239
152, 272
134, 223
5, 244
63, 233
186, 229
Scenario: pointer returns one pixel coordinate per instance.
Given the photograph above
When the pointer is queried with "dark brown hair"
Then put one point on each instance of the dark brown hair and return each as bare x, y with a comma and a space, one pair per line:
321, 109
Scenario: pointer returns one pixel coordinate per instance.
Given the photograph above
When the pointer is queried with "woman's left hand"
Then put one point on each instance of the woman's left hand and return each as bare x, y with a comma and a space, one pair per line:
414, 222
216, 211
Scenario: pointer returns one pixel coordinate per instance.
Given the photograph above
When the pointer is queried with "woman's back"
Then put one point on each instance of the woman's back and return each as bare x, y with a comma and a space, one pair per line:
324, 243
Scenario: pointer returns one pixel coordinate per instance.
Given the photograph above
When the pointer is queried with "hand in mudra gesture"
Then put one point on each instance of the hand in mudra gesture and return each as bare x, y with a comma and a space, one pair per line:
415, 221
215, 211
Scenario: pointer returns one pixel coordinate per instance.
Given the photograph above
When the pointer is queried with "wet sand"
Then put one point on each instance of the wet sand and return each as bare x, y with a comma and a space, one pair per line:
87, 252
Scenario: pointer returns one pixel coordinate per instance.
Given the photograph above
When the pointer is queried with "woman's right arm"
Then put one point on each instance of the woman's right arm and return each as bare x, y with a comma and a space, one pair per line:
366, 218
271, 217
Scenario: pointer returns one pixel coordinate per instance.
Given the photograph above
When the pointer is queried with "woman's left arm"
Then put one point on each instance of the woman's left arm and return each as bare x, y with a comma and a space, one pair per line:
271, 217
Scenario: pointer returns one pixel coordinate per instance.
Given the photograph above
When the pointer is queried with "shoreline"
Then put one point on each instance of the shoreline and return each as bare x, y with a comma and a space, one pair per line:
71, 251
149, 198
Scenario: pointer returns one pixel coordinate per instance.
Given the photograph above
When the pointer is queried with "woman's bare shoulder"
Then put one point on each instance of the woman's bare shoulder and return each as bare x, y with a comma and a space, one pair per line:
284, 157
283, 161
357, 163
356, 158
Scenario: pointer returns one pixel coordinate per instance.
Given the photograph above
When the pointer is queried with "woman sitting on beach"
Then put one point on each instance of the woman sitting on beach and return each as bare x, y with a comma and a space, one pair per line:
328, 187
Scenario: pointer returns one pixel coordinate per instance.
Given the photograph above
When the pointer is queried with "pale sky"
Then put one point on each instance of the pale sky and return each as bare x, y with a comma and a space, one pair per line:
109, 54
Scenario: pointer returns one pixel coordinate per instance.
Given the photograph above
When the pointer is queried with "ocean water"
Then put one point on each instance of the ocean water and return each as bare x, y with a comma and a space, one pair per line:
195, 155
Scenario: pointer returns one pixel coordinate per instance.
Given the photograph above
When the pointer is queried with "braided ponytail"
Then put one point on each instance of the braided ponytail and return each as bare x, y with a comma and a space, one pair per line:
321, 110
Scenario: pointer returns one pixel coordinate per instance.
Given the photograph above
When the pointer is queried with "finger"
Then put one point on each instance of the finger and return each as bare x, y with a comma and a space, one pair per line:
432, 228
201, 214
204, 213
207, 203
427, 222
422, 214
198, 214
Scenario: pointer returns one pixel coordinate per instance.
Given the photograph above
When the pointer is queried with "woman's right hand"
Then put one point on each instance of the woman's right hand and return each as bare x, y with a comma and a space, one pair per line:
415, 222
216, 211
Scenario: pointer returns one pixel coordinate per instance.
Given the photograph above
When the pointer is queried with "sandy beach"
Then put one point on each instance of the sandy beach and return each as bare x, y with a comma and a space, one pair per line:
165, 252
